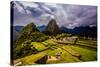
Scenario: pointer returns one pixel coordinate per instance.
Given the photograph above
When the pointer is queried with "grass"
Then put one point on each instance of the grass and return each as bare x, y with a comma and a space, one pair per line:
69, 52
54, 51
65, 57
38, 46
32, 58
50, 42
68, 57
86, 54
88, 43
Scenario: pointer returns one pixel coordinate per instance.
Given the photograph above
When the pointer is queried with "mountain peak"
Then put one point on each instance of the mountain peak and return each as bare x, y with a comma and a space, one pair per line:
52, 27
26, 33
31, 27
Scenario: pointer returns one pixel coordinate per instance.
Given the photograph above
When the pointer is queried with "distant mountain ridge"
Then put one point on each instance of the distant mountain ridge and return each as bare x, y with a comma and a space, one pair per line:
18, 28
82, 31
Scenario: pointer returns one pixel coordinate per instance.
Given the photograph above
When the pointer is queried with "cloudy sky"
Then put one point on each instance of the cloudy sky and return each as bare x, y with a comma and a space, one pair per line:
67, 15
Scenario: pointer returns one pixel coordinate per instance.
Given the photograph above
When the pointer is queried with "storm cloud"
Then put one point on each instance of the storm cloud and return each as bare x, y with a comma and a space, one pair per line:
67, 15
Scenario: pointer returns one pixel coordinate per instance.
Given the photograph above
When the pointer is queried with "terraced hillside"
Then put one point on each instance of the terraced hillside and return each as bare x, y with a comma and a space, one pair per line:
60, 51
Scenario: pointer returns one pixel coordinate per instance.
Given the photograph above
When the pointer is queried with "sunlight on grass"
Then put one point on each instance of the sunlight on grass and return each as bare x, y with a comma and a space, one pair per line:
38, 46
86, 54
32, 58
71, 51
49, 41
54, 51
87, 43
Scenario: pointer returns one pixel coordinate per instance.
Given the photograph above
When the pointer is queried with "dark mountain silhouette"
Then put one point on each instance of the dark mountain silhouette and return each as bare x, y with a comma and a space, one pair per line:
82, 31
52, 28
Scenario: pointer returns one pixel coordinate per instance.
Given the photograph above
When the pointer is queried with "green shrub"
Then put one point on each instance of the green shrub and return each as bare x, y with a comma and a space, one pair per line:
23, 50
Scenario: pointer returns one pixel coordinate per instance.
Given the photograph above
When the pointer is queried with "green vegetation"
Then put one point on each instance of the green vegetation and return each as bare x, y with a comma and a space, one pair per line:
86, 54
38, 46
34, 47
32, 58
26, 33
69, 53
23, 50
88, 43
50, 42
